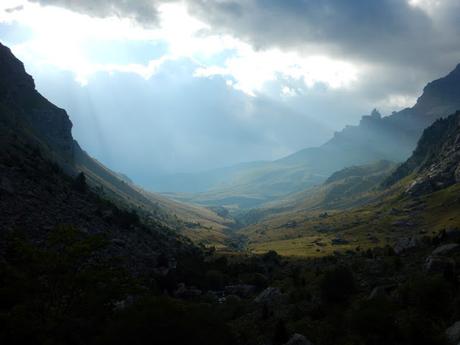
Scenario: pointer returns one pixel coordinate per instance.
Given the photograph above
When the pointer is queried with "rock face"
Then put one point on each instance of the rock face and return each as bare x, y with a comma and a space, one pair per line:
436, 160
17, 92
37, 155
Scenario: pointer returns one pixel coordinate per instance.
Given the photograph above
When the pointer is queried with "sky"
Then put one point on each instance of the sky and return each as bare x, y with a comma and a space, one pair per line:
164, 86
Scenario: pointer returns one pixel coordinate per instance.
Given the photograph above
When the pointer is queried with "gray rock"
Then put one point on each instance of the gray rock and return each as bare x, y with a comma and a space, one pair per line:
453, 333
6, 185
183, 292
298, 339
381, 291
118, 242
270, 295
446, 249
338, 241
452, 234
241, 290
405, 244
435, 264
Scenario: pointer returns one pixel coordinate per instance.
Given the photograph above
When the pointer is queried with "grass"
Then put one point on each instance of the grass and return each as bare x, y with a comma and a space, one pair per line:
393, 217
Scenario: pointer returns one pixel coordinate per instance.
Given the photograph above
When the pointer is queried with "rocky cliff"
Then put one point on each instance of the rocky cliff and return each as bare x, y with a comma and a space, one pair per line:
435, 162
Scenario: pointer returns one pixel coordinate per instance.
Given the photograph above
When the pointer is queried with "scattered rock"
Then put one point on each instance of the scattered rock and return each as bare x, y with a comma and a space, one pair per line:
298, 339
446, 249
453, 333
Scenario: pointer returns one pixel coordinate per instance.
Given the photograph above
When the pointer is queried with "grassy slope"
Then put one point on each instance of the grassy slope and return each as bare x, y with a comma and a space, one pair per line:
384, 222
198, 223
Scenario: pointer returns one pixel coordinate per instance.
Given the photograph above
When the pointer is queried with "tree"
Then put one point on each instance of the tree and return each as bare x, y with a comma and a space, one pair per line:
80, 183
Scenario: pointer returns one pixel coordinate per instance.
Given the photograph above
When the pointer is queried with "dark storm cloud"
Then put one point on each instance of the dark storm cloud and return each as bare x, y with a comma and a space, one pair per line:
143, 11
377, 31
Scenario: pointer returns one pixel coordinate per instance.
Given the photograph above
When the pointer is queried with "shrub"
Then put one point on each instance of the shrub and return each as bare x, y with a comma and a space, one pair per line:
337, 285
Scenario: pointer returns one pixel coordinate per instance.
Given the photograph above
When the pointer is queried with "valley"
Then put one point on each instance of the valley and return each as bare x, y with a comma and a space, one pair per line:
353, 242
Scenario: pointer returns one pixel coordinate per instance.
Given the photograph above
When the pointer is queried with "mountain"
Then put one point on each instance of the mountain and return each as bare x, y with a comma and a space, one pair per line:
28, 115
344, 189
364, 206
375, 138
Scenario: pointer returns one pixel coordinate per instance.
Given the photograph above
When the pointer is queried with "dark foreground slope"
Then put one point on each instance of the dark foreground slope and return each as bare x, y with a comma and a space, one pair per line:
376, 138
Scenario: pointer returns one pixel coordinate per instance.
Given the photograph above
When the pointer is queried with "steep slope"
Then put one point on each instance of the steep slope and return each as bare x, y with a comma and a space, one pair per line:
344, 189
26, 113
375, 138
436, 160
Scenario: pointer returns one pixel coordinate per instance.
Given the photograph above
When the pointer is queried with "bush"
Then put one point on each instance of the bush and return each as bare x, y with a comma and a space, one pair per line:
337, 285
79, 183
374, 321
429, 295
164, 321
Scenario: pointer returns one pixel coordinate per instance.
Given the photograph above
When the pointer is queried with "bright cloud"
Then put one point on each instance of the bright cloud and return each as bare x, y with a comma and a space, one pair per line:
253, 69
60, 37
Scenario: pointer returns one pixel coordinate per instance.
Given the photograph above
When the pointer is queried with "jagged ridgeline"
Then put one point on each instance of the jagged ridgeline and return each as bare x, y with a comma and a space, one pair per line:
391, 138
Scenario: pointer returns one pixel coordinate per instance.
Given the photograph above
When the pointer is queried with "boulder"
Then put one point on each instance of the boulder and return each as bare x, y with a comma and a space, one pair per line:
183, 292
241, 290
453, 333
382, 291
405, 244
446, 249
338, 241
6, 185
298, 339
436, 264
452, 234
270, 295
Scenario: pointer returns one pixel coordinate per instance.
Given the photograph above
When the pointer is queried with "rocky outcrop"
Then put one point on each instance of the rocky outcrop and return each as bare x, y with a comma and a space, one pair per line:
24, 105
436, 160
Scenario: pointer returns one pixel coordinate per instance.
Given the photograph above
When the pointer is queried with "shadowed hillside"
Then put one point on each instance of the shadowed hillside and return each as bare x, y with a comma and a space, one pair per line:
27, 113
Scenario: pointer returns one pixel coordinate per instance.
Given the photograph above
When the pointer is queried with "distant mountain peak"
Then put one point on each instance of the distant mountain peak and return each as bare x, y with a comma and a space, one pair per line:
376, 114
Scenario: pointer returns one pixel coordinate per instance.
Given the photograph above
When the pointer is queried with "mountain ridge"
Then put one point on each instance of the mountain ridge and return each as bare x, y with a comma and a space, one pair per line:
392, 138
